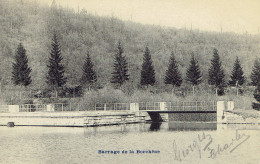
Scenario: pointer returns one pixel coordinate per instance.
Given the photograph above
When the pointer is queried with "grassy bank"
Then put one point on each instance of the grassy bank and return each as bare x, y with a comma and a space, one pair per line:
246, 113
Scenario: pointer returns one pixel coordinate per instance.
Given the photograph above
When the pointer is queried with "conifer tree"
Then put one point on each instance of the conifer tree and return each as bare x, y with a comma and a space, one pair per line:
173, 75
55, 76
193, 74
147, 72
257, 97
89, 75
120, 74
21, 70
255, 75
216, 74
237, 75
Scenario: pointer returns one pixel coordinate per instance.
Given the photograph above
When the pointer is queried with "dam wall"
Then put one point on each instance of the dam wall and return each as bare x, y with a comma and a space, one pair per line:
68, 119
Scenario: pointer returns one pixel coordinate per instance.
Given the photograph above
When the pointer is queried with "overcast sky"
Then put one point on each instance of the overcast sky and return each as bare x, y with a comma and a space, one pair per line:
238, 16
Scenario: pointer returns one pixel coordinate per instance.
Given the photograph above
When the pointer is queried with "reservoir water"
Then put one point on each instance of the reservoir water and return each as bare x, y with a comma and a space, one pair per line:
131, 143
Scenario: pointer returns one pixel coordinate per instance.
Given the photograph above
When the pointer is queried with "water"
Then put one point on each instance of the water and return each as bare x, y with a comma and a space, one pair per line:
81, 145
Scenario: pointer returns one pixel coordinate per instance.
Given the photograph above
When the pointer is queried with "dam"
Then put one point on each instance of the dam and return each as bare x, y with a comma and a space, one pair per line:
114, 113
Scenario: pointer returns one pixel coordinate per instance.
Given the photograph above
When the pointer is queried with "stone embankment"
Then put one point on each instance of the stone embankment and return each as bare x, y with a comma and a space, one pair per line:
69, 119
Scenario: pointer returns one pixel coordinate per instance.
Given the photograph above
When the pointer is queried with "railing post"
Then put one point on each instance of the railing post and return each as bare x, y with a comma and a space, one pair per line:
70, 106
62, 107
105, 107
78, 106
196, 106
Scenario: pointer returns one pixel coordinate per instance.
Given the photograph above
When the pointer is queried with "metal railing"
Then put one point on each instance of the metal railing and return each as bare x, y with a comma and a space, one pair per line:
149, 106
4, 109
192, 106
32, 108
112, 107
143, 106
54, 107
66, 107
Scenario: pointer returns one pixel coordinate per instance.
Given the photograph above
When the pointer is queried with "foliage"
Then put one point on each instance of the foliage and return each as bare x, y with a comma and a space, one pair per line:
147, 73
21, 70
81, 31
257, 97
120, 74
237, 75
257, 93
255, 75
88, 77
216, 74
55, 76
173, 75
257, 89
193, 74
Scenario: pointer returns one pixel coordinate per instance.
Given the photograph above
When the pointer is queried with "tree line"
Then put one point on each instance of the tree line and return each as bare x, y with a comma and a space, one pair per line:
56, 78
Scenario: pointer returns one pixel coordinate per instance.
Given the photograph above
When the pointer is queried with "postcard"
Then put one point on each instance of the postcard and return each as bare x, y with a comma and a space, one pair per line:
129, 81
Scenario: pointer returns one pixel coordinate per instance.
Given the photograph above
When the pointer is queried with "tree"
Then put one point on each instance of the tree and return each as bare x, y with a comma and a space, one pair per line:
55, 76
216, 74
89, 75
255, 75
193, 74
173, 75
147, 72
257, 97
21, 70
237, 75
120, 74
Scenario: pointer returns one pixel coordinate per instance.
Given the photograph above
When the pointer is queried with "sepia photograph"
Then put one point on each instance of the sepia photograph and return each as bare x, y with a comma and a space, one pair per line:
129, 81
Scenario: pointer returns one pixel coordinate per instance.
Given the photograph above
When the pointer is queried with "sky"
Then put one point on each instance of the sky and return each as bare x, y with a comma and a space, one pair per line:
239, 16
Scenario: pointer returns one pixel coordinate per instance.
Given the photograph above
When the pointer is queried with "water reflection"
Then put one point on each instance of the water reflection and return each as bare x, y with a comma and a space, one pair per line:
155, 126
182, 126
163, 127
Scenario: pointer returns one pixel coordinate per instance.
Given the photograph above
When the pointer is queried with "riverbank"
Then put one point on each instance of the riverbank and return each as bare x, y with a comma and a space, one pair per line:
239, 116
246, 113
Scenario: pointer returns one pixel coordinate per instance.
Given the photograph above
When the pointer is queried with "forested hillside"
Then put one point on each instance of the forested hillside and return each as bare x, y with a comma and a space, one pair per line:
78, 33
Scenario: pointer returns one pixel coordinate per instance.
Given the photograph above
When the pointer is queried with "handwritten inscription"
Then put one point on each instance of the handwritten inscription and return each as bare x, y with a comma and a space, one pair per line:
204, 143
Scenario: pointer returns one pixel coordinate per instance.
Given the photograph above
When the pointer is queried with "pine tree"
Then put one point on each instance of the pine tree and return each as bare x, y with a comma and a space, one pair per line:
193, 74
216, 74
257, 97
55, 76
255, 75
173, 75
21, 70
120, 74
147, 73
237, 75
89, 75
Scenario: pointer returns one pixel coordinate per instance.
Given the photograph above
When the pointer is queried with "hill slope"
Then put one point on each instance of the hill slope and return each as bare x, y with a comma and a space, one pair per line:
33, 25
